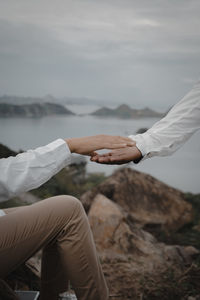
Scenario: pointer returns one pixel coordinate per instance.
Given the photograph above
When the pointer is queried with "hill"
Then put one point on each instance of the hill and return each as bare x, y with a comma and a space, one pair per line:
34, 110
125, 111
6, 152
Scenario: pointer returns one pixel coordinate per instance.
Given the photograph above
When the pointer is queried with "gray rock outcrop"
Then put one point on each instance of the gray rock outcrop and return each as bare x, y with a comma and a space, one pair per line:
128, 253
146, 201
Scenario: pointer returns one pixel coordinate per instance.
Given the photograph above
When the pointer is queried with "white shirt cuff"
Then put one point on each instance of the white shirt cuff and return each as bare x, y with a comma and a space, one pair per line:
63, 153
141, 144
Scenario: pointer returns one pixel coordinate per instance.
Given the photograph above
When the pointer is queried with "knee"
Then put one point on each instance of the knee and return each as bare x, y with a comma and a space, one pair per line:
69, 204
63, 207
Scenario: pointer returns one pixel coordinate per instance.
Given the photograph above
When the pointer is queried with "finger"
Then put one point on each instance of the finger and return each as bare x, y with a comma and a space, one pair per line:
114, 146
89, 154
108, 162
94, 158
115, 158
120, 159
111, 160
93, 154
97, 157
105, 154
103, 159
108, 154
131, 144
126, 139
117, 161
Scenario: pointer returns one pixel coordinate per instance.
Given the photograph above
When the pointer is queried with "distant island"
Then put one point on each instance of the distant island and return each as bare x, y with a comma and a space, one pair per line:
34, 110
124, 111
67, 100
35, 107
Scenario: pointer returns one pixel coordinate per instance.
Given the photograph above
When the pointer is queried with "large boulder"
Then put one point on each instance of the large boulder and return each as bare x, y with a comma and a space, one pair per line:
113, 234
128, 253
147, 201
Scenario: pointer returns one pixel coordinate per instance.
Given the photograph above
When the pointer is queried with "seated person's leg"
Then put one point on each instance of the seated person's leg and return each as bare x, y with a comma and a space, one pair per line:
60, 226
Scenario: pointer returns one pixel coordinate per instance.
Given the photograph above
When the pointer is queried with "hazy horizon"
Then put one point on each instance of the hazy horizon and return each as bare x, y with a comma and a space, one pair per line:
78, 105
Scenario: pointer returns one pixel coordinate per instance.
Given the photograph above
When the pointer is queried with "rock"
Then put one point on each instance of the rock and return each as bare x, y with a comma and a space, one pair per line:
6, 152
191, 251
148, 202
128, 253
112, 232
197, 227
180, 253
106, 220
141, 130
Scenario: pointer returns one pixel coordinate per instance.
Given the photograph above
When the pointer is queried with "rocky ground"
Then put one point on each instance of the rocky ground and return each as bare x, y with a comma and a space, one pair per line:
124, 211
136, 221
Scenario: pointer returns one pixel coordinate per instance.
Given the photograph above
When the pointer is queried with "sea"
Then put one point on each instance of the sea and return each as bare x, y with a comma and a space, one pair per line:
181, 170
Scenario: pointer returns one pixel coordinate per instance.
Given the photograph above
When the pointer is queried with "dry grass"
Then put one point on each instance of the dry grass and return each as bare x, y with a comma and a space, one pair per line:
171, 285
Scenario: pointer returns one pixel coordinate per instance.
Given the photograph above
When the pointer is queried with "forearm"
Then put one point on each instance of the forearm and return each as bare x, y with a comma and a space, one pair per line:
31, 169
87, 145
171, 132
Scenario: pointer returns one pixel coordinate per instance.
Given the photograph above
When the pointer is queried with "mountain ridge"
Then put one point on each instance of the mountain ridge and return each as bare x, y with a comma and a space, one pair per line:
34, 110
125, 111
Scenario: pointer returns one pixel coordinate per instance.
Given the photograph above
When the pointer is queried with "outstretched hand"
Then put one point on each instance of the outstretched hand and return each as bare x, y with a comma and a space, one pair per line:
118, 156
87, 145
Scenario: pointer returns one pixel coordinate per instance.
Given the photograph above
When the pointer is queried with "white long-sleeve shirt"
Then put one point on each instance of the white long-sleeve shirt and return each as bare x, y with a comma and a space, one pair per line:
31, 169
170, 133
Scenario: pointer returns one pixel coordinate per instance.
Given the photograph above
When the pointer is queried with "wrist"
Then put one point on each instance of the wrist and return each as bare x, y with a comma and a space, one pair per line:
138, 157
70, 144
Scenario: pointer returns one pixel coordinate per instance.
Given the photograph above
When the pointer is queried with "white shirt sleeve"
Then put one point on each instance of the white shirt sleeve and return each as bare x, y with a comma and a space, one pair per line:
31, 169
170, 133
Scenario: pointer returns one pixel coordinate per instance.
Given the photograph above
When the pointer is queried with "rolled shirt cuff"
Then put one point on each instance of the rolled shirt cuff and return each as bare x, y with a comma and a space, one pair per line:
142, 145
61, 151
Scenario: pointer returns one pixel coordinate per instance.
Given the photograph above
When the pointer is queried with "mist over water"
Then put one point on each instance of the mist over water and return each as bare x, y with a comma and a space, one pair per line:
181, 170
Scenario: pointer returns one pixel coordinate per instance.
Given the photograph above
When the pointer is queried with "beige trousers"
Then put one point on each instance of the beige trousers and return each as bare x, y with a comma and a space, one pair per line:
60, 226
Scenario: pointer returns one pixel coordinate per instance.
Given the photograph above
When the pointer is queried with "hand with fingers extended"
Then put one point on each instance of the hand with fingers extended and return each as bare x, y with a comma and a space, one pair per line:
118, 156
87, 145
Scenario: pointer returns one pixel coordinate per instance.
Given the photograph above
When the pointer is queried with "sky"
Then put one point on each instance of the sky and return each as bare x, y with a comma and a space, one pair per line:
139, 52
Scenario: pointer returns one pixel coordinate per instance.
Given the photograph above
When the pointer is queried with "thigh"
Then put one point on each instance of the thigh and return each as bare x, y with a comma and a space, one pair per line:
25, 230
11, 209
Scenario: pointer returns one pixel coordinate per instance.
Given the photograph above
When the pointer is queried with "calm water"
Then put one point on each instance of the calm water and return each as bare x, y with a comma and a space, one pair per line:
182, 170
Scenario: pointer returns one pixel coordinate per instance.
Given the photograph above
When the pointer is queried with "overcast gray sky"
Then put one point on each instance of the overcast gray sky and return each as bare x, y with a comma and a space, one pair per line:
145, 52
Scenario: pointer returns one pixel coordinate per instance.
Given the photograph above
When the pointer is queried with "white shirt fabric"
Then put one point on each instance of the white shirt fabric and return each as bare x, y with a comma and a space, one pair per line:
31, 169
167, 135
